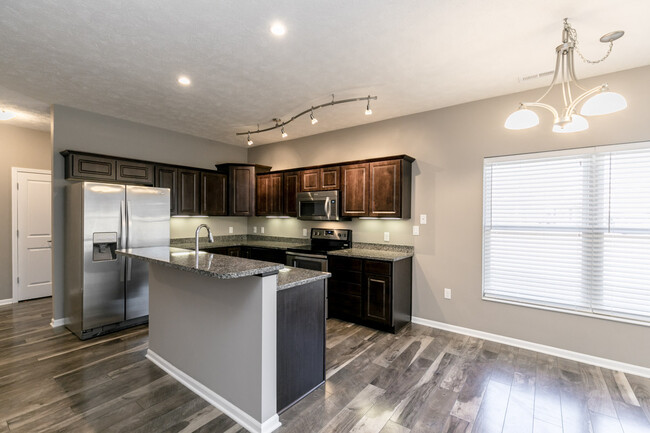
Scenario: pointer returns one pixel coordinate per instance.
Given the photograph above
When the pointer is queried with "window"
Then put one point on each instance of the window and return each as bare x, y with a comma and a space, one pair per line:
570, 230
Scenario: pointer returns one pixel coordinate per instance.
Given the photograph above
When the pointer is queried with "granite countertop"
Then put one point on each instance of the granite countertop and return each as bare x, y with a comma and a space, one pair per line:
203, 244
376, 254
292, 277
211, 265
224, 267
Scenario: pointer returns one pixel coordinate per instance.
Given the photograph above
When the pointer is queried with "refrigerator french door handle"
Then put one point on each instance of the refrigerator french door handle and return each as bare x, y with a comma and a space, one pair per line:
122, 258
122, 225
128, 222
129, 265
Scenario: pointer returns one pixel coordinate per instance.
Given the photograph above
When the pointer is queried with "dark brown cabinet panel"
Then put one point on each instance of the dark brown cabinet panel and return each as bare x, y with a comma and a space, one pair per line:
373, 293
214, 194
309, 180
189, 192
241, 191
91, 167
291, 188
167, 177
354, 190
269, 194
385, 188
329, 178
135, 172
377, 298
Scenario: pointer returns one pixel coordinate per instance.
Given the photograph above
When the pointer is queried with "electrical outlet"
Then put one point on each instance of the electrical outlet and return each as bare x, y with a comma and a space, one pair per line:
447, 293
254, 229
231, 230
423, 219
262, 230
386, 236
416, 230
304, 232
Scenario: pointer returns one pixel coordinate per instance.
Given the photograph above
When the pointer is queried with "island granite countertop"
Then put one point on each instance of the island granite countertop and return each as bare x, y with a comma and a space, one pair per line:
224, 267
211, 265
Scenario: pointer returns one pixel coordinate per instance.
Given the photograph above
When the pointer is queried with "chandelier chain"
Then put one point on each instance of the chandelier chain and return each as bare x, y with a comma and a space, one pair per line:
573, 36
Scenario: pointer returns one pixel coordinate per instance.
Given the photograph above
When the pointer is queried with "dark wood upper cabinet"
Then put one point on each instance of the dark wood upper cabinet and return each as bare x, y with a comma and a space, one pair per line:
242, 191
189, 192
167, 177
81, 166
390, 188
354, 190
291, 183
269, 194
309, 180
135, 172
214, 194
330, 178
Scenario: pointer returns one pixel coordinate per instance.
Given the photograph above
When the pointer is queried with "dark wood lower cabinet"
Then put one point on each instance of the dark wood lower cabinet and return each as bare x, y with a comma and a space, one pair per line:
300, 342
373, 293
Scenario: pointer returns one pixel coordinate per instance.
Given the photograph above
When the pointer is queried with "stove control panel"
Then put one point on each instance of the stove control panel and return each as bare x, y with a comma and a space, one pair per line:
332, 234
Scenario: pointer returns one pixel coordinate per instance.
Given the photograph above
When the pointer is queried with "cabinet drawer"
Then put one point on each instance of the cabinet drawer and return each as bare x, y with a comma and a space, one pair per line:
348, 276
134, 172
377, 267
93, 167
344, 263
344, 306
344, 287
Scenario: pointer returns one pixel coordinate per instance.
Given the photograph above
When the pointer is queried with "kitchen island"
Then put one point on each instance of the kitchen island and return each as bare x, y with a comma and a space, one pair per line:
235, 330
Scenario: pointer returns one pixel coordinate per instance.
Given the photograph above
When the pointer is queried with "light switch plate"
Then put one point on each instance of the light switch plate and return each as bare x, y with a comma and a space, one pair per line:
304, 232
231, 230
423, 218
416, 230
254, 229
262, 230
447, 293
386, 236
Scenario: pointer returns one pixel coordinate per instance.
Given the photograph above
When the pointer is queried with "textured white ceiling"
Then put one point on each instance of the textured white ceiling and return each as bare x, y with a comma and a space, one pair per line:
122, 58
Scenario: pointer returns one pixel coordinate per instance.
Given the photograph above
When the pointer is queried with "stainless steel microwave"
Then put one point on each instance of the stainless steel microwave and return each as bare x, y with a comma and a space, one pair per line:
318, 205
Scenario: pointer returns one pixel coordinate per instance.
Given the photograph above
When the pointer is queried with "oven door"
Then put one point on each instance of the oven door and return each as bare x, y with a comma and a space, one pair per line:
307, 261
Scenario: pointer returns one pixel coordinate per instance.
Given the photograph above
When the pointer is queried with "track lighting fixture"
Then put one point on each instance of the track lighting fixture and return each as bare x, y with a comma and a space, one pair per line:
599, 100
310, 110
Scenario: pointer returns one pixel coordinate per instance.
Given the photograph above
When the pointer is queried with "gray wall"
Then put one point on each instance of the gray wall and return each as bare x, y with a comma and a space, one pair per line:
90, 132
449, 145
25, 148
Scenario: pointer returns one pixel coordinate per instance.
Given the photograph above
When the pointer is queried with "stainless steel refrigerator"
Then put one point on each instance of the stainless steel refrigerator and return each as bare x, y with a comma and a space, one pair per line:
105, 292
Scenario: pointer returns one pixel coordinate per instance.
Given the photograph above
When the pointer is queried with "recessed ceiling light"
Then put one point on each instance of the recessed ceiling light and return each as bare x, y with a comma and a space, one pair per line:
278, 29
183, 80
6, 115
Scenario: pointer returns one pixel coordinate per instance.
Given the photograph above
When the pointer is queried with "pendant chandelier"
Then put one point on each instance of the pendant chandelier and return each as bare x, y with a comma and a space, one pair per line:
597, 101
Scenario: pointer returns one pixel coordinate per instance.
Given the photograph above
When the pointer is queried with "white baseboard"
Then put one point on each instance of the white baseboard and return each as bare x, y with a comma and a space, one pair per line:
7, 301
241, 417
55, 323
549, 350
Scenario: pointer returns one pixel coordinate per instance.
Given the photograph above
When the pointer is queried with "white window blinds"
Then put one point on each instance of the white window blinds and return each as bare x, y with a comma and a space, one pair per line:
570, 230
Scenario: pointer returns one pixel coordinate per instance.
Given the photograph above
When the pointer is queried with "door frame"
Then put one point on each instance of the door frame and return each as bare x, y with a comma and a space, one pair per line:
14, 224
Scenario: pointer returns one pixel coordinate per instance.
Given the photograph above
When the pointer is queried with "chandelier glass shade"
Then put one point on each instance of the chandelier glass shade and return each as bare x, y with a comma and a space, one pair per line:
596, 101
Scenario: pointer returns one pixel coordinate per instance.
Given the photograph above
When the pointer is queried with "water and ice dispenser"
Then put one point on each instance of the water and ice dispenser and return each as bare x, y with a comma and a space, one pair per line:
104, 246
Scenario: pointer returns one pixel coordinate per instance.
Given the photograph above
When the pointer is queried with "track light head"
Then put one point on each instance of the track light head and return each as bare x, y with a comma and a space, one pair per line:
249, 141
368, 110
311, 116
284, 134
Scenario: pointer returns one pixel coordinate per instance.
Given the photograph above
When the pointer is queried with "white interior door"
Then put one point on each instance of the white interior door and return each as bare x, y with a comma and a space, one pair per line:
34, 237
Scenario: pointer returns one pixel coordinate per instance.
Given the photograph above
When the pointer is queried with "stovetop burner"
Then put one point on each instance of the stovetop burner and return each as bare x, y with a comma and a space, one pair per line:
324, 240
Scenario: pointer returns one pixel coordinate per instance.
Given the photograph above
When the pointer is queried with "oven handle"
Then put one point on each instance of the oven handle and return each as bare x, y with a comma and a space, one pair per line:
315, 256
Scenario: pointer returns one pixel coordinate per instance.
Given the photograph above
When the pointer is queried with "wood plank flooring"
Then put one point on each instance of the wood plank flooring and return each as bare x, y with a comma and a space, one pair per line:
420, 380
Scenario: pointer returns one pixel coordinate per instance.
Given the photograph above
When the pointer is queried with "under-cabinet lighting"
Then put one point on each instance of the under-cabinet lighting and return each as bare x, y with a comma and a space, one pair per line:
278, 217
